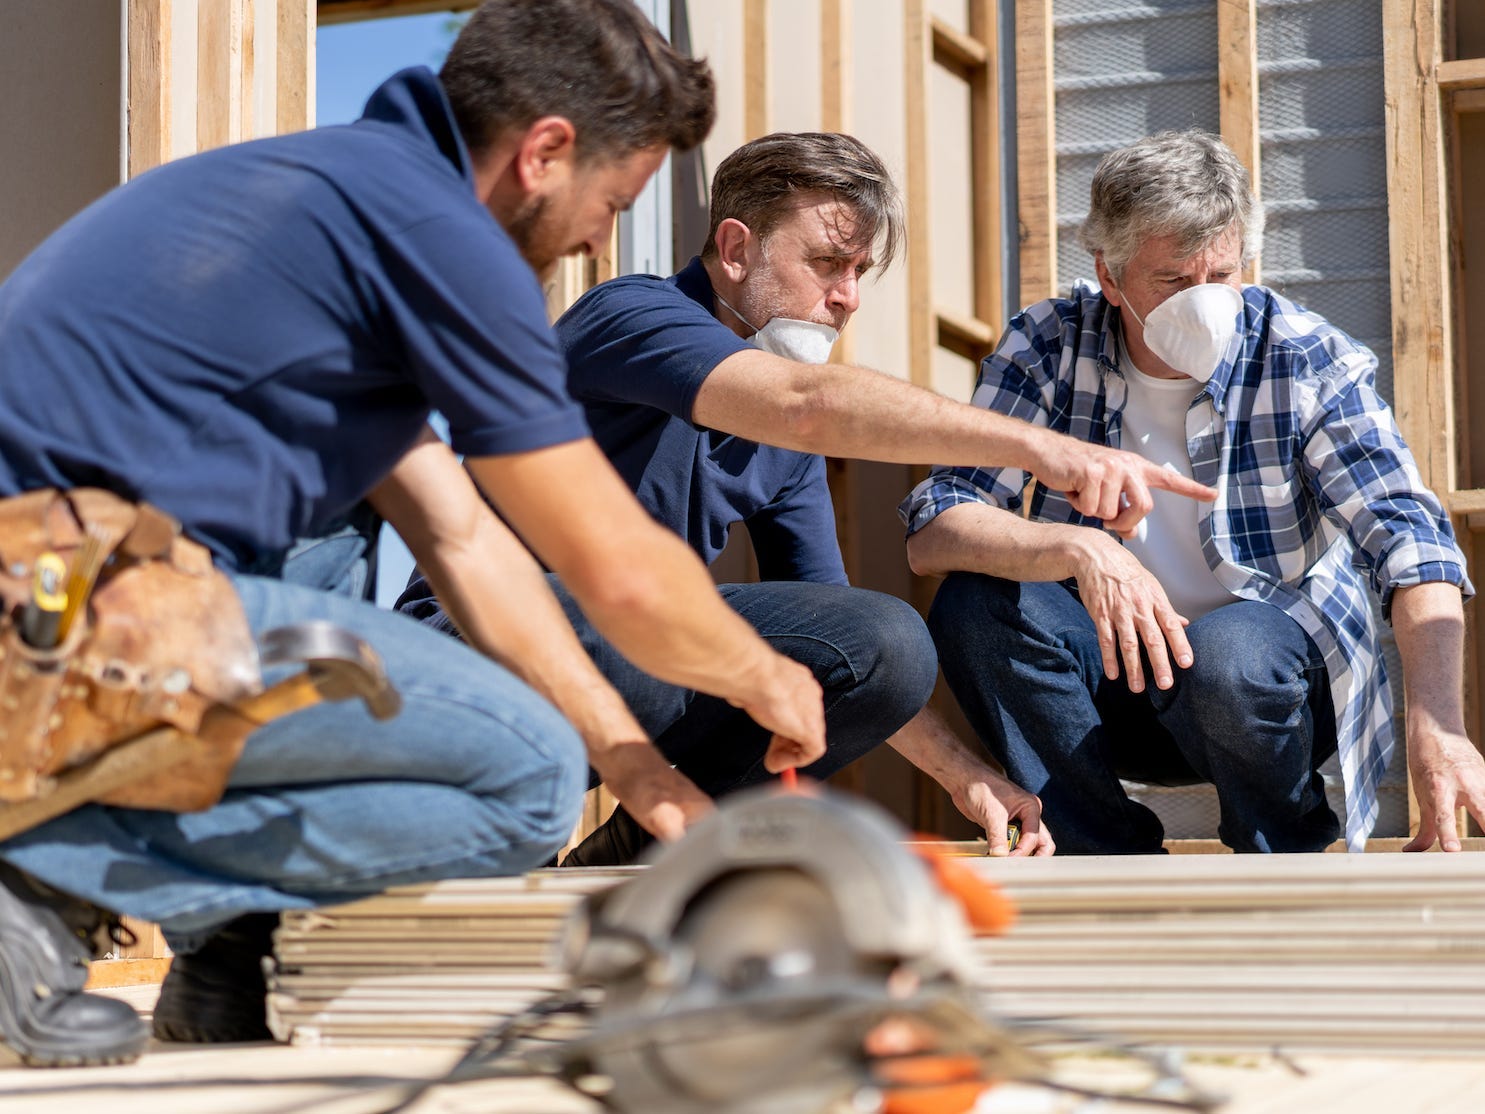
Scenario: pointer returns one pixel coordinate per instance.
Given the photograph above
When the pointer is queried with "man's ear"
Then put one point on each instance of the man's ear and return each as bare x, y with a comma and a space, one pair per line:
733, 240
1106, 281
546, 154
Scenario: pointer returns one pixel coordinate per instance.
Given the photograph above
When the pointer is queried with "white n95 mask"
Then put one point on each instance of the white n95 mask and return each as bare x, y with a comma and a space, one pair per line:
1192, 329
807, 342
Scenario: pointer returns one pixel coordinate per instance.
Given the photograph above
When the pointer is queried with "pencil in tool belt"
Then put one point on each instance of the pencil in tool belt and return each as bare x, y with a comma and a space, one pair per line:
41, 621
85, 569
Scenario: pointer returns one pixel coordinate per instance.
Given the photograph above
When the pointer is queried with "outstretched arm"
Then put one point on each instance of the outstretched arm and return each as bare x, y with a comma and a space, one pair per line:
835, 410
1447, 770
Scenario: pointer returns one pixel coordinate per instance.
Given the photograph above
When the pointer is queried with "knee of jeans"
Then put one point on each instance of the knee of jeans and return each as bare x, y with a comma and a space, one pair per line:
905, 656
969, 609
1229, 697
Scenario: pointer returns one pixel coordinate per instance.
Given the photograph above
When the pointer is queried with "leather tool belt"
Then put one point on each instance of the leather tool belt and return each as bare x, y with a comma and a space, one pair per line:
157, 639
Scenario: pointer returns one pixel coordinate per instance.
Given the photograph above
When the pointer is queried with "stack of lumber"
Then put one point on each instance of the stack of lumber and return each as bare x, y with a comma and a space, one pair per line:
1314, 952
1302, 952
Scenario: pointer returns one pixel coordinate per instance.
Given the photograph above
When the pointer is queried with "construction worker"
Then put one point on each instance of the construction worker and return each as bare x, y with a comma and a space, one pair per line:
1251, 615
252, 340
710, 393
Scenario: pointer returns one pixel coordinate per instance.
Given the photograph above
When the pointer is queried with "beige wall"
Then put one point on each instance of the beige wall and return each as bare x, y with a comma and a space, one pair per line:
60, 115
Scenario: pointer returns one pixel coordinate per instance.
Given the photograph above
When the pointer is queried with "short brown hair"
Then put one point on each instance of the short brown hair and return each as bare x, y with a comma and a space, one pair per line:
762, 182
599, 63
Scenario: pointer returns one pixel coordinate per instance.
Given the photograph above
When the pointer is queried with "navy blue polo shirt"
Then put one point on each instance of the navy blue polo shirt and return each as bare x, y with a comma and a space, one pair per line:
638, 349
252, 337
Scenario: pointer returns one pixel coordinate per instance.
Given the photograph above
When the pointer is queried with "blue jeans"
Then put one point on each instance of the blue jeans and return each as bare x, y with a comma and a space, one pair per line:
1252, 716
478, 776
870, 652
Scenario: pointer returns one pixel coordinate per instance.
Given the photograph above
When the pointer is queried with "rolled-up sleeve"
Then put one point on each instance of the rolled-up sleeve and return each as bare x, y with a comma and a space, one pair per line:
1369, 484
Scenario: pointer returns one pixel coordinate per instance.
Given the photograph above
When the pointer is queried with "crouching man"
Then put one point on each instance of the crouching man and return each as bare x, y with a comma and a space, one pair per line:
1249, 615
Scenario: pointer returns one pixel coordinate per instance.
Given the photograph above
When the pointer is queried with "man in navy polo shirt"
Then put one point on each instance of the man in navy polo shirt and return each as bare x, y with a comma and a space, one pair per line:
704, 391
252, 339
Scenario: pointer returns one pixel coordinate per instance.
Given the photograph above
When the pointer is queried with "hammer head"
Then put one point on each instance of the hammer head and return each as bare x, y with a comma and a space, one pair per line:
339, 664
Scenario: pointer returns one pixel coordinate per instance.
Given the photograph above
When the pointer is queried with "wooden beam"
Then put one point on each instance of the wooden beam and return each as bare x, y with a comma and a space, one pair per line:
1468, 502
1464, 73
1423, 357
1237, 76
916, 60
984, 126
219, 70
1036, 147
964, 336
954, 50
349, 11
148, 49
835, 65
295, 78
755, 69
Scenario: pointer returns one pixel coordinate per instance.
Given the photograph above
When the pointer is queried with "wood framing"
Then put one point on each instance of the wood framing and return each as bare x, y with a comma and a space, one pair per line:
755, 69
295, 74
917, 46
1036, 146
148, 108
1237, 79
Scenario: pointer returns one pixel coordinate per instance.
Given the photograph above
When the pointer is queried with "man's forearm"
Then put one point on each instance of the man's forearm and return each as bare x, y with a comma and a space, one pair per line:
928, 743
837, 410
976, 537
1428, 621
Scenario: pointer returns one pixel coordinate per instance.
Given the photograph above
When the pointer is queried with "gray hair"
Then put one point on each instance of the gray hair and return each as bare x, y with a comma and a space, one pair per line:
1186, 184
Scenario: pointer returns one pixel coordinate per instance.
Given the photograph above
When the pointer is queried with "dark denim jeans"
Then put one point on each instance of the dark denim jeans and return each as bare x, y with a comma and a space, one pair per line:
870, 652
1252, 716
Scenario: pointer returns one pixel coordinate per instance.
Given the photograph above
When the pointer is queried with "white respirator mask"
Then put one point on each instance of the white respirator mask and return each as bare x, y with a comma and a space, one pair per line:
1192, 329
806, 342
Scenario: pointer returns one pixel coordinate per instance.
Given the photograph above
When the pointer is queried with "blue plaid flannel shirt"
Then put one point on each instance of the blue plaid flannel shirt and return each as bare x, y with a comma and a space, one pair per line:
1318, 492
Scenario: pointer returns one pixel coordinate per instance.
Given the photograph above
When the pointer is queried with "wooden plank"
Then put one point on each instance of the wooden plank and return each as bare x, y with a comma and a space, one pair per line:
1467, 502
1237, 76
148, 46
295, 79
965, 336
218, 72
985, 167
1422, 343
916, 60
755, 69
1036, 146
1462, 73
349, 11
126, 972
954, 50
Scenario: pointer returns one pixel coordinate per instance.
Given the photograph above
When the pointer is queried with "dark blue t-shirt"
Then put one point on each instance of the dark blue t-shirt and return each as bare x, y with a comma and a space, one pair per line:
250, 338
638, 349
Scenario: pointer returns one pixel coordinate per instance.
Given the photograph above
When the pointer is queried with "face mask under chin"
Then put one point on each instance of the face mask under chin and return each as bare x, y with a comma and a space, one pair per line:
806, 342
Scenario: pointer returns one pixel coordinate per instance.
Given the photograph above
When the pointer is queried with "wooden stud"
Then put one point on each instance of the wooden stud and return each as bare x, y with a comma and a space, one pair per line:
916, 59
984, 122
755, 69
295, 92
1423, 358
1237, 76
148, 46
219, 68
1036, 146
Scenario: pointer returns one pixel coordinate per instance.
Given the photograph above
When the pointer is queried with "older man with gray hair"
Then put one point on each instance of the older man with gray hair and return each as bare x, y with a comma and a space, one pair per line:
1249, 614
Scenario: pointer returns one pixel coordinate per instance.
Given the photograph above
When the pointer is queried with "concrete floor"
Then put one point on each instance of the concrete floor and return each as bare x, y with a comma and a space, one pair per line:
279, 1079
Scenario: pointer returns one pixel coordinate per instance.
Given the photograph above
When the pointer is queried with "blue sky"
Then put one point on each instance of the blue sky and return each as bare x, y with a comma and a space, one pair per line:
351, 60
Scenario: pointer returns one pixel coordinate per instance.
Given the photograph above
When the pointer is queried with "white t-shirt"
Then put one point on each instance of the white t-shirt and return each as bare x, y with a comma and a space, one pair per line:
1170, 545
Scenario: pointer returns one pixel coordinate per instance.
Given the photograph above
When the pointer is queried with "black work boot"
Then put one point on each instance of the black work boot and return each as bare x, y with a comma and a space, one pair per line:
618, 841
219, 994
45, 946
